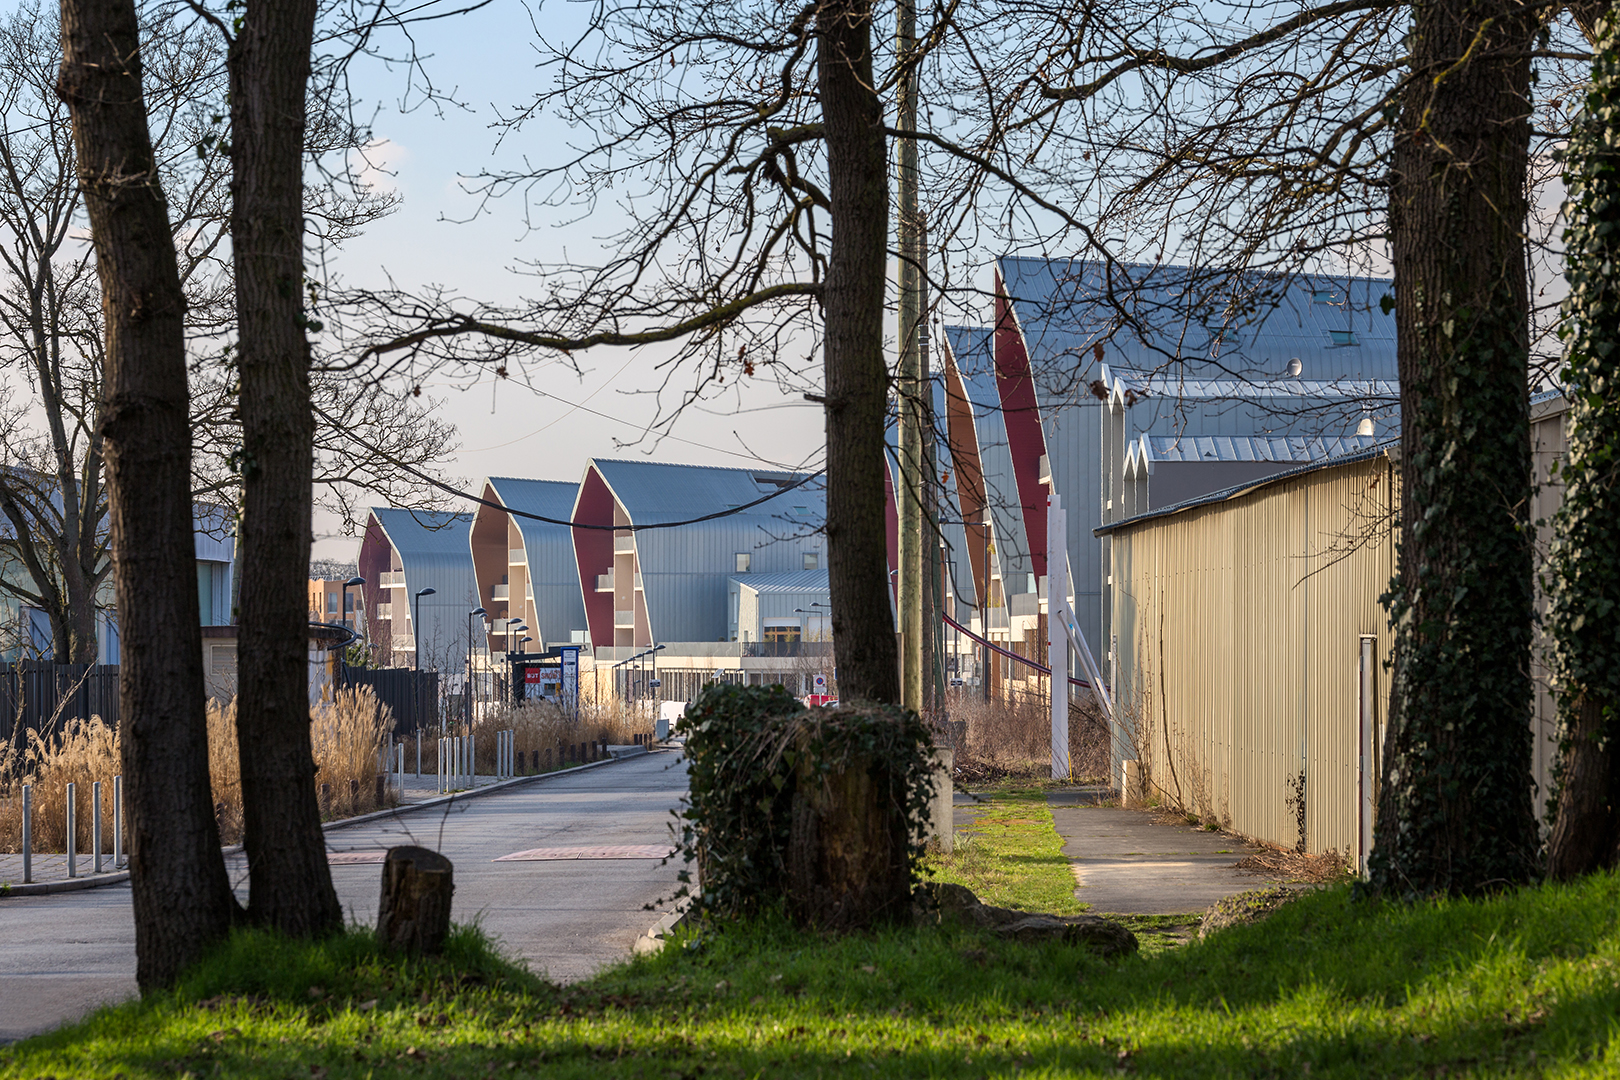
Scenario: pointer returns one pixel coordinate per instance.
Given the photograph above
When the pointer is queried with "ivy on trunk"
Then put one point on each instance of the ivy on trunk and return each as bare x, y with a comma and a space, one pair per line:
1455, 810
1584, 569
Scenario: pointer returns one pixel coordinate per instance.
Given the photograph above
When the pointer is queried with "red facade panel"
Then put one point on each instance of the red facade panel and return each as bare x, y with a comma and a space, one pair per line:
593, 553
1025, 439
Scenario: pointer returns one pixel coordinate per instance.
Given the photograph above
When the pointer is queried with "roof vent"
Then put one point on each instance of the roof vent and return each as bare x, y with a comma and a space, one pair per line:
1295, 368
1365, 428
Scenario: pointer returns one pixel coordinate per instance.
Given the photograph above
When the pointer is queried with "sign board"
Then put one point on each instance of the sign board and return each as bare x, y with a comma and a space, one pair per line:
820, 683
655, 682
570, 678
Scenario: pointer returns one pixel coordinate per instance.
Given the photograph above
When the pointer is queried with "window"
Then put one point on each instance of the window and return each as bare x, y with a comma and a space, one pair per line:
812, 560
781, 633
331, 603
1343, 337
745, 560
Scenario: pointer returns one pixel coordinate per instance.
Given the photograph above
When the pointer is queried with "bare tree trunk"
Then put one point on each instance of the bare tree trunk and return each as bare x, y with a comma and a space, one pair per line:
1458, 782
290, 882
182, 899
856, 374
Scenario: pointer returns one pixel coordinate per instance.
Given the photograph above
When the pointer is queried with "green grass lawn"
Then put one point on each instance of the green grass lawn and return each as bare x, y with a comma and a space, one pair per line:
1012, 856
1525, 984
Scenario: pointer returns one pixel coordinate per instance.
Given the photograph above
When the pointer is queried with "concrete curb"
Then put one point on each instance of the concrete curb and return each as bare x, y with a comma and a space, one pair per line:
43, 888
654, 939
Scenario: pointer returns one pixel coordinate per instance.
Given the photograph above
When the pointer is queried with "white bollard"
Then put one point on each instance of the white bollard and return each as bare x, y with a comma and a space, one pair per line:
400, 757
118, 822
72, 828
440, 745
28, 833
95, 825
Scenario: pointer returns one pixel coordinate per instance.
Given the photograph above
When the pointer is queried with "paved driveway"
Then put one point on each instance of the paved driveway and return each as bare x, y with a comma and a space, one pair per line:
62, 955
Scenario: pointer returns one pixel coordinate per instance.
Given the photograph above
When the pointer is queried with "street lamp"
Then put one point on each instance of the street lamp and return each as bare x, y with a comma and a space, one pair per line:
513, 626
347, 585
655, 650
416, 625
476, 613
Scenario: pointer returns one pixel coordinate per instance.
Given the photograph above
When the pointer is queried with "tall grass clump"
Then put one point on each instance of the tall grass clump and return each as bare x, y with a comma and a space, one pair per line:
74, 751
348, 735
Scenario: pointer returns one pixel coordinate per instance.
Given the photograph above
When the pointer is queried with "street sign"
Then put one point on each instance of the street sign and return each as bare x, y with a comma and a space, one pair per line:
655, 682
820, 683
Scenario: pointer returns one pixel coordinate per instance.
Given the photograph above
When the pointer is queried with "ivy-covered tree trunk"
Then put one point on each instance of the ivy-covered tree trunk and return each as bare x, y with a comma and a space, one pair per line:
1584, 572
1455, 814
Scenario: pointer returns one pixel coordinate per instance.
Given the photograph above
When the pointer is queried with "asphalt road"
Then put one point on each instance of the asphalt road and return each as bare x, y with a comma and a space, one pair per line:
62, 955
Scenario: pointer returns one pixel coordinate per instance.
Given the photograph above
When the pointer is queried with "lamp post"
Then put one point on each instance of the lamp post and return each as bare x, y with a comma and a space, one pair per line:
655, 650
347, 585
416, 625
475, 613
513, 626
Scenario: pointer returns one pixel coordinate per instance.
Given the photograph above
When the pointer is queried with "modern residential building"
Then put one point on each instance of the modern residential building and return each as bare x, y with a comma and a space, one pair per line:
329, 602
403, 553
782, 614
1088, 357
525, 566
646, 580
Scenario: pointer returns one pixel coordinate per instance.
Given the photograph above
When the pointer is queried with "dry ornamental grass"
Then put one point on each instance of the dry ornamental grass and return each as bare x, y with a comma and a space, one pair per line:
347, 735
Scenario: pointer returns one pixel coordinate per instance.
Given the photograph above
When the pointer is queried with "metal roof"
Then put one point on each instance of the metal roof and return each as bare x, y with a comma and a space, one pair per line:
1378, 449
803, 581
1184, 388
419, 533
1250, 447
548, 550
1213, 321
654, 492
434, 552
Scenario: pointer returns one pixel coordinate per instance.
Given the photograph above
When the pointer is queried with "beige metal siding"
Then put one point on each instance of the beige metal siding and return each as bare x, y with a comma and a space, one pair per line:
1237, 629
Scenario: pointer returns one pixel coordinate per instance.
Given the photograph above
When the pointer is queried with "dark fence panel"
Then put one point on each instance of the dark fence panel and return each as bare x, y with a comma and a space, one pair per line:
35, 694
412, 695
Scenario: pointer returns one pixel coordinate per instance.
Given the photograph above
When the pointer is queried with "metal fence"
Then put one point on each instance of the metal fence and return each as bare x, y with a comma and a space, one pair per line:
34, 693
413, 696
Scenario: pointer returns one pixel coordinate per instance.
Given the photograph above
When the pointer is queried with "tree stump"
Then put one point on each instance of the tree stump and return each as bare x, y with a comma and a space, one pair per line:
414, 915
847, 848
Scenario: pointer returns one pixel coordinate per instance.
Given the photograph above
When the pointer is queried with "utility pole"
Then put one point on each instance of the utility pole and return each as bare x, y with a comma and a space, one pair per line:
913, 385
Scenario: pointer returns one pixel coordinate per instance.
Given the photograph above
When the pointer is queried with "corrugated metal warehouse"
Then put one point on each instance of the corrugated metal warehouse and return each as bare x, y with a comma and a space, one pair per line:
1237, 630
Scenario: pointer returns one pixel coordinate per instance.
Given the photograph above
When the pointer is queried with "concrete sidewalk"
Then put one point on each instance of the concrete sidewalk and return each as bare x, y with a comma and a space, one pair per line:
1136, 862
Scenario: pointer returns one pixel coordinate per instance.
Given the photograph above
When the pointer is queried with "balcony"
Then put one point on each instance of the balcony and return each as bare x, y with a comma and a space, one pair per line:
638, 581
385, 611
624, 618
391, 579
405, 641
501, 592
515, 557
624, 543
604, 582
